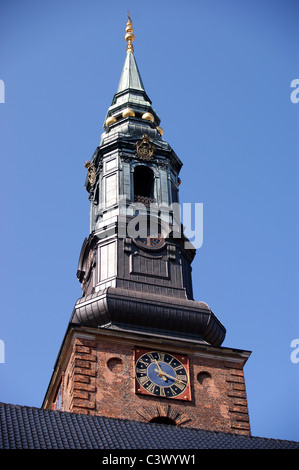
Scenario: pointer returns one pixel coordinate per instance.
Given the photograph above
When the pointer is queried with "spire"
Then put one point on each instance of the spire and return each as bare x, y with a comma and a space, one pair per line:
131, 99
130, 76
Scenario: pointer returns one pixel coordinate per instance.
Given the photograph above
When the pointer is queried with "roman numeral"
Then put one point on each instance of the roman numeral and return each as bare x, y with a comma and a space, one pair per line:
151, 388
179, 367
179, 386
158, 356
182, 377
143, 380
144, 361
161, 357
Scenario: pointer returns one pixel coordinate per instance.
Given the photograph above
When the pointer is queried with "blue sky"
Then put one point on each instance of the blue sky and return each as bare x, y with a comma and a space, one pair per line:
218, 73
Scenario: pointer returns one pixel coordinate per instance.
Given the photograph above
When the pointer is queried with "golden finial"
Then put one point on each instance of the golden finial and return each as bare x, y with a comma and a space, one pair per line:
129, 37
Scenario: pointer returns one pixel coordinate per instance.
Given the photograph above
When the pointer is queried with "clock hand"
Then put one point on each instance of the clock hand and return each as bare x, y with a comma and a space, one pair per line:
159, 367
171, 377
159, 370
161, 375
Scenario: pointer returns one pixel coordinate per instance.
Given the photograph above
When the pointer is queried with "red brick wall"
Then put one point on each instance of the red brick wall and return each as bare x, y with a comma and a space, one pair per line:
99, 380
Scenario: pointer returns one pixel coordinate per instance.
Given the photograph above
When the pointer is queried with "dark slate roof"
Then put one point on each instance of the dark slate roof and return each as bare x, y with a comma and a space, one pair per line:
25, 427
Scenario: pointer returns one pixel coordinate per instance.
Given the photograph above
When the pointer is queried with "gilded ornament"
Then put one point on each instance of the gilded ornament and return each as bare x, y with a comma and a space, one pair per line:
144, 149
129, 36
110, 120
148, 117
128, 112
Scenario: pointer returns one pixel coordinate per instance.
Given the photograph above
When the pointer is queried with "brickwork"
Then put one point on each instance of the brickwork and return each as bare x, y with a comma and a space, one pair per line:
220, 396
80, 379
99, 380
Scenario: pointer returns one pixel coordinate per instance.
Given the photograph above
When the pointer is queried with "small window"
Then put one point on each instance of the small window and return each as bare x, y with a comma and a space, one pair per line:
143, 184
163, 420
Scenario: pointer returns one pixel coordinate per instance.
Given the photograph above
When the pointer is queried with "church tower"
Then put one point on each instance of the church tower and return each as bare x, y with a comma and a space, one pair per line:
138, 346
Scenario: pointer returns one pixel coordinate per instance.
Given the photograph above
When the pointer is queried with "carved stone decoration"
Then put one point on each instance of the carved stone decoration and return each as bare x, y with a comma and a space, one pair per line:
153, 413
144, 149
126, 157
92, 173
162, 165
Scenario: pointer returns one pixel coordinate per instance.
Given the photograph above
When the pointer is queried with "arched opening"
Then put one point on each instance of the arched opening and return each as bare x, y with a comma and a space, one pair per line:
143, 181
163, 420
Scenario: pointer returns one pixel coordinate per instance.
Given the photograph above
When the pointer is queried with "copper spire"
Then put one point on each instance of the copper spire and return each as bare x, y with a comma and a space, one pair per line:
129, 37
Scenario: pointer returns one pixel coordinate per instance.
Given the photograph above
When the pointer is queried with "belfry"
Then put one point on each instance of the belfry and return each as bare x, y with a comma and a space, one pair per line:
138, 346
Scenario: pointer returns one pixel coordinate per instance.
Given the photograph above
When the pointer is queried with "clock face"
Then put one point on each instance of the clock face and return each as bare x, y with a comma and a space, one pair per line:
150, 239
150, 242
162, 374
